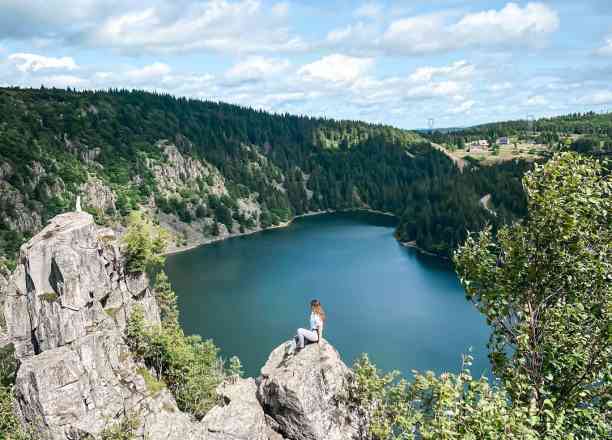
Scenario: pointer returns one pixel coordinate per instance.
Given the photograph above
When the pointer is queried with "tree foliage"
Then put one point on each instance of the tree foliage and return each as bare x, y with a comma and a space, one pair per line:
544, 285
445, 407
593, 132
144, 244
189, 366
166, 300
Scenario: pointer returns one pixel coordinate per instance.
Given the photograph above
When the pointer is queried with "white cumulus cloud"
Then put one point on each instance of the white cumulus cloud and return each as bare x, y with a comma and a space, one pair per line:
151, 71
536, 100
29, 62
458, 70
606, 49
500, 86
600, 97
511, 25
336, 68
214, 25
464, 107
63, 81
257, 67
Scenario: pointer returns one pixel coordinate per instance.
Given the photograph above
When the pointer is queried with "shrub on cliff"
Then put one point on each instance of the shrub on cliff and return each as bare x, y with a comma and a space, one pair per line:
166, 299
188, 365
123, 429
10, 425
144, 244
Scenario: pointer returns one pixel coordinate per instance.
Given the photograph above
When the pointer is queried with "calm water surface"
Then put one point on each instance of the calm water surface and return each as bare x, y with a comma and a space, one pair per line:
250, 294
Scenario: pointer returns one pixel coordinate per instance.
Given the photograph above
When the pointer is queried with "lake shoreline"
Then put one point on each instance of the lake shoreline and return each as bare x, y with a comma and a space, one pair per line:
194, 245
412, 244
408, 244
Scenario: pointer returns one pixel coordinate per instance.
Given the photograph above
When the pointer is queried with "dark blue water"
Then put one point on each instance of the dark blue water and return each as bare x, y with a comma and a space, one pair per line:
406, 310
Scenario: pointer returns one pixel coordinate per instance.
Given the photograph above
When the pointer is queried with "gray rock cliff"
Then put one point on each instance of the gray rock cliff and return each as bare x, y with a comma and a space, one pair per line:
65, 308
306, 393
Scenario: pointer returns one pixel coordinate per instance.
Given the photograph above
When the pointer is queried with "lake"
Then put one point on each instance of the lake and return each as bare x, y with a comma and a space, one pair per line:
250, 293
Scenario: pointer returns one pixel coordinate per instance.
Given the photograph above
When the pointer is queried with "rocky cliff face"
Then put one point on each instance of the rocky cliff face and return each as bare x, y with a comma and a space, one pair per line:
65, 309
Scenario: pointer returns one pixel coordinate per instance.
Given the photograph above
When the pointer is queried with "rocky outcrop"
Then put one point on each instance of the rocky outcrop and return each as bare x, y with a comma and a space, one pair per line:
306, 393
15, 212
179, 171
65, 308
240, 416
99, 196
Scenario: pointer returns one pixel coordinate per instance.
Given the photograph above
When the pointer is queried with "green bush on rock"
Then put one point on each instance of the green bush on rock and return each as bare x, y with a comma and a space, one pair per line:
144, 244
190, 367
10, 425
124, 429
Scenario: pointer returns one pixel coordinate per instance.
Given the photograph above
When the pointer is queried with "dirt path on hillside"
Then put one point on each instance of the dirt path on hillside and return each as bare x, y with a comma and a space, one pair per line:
457, 160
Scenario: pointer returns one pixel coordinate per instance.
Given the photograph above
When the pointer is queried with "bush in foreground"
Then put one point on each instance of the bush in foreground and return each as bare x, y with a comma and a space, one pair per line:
544, 285
444, 407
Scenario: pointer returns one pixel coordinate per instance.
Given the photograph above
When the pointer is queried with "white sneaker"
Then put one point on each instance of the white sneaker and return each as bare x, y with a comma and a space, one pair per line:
291, 347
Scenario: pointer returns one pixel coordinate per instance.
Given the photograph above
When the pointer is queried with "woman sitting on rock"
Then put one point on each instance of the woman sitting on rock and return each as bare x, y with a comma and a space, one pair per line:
317, 318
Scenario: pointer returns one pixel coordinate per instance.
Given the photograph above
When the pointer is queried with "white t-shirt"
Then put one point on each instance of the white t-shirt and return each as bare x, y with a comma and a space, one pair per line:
315, 322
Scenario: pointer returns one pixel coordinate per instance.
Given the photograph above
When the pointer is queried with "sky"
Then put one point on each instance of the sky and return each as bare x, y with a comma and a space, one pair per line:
402, 63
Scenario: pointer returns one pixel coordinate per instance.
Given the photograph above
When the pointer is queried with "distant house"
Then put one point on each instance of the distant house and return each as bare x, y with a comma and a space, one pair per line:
503, 140
479, 146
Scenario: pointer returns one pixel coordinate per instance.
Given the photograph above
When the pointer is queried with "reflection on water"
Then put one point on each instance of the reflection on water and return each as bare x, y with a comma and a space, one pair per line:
405, 309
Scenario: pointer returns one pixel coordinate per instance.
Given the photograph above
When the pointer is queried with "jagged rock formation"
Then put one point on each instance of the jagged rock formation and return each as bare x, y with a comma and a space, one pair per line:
99, 196
65, 308
307, 394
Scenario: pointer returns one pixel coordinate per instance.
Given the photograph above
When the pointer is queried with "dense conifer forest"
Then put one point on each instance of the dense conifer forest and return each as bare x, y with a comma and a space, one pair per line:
53, 142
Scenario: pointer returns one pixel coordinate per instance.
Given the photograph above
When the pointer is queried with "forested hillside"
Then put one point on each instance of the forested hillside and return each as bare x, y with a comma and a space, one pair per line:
206, 169
582, 132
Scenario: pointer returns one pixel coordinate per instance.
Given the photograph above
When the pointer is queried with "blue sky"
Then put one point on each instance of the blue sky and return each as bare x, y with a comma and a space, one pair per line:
396, 62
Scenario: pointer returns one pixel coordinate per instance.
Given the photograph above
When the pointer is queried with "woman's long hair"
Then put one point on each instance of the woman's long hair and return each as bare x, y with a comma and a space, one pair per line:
316, 307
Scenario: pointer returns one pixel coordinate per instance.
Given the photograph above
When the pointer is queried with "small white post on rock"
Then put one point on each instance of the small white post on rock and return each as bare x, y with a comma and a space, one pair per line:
78, 204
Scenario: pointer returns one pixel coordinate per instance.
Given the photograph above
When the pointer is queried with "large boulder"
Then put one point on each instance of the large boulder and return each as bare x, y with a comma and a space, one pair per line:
239, 415
306, 393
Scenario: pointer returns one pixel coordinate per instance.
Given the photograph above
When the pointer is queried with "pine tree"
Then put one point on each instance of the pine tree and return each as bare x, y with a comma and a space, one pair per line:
166, 300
